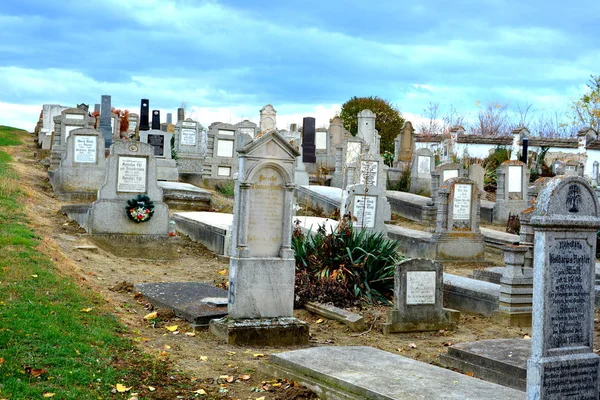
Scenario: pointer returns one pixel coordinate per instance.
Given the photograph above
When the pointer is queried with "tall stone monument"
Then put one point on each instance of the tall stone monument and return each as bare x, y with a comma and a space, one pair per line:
563, 364
156, 120
366, 130
144, 115
511, 195
407, 142
105, 120
309, 147
262, 266
190, 150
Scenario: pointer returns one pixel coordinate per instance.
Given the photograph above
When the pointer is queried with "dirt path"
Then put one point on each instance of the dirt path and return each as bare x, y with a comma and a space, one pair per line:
199, 353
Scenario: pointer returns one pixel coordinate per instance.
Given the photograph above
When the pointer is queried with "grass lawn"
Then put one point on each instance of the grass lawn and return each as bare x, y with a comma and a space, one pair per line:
56, 339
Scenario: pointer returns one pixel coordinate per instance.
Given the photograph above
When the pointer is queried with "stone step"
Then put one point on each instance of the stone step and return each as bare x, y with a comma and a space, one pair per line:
502, 361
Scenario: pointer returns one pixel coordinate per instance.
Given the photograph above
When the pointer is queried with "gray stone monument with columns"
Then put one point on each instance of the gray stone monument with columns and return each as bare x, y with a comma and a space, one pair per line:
563, 364
262, 265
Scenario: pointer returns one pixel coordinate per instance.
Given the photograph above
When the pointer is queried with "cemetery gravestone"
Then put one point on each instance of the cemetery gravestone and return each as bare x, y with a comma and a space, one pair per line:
476, 174
180, 114
366, 131
422, 165
161, 143
132, 131
69, 120
562, 363
144, 115
268, 118
220, 160
130, 171
262, 266
457, 231
81, 172
156, 120
418, 298
513, 180
441, 174
105, 120
49, 111
308, 140
190, 150
407, 142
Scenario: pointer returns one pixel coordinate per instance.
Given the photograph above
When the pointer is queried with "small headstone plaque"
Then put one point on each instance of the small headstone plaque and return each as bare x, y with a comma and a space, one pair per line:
85, 149
158, 142
423, 165
420, 287
462, 202
448, 174
132, 174
514, 178
188, 137
74, 116
365, 208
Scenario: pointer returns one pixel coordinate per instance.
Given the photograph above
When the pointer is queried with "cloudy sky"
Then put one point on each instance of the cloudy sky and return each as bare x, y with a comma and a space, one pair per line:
227, 58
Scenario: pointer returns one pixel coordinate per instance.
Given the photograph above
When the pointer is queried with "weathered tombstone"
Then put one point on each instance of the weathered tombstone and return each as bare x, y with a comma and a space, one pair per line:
169, 118
246, 127
166, 167
573, 167
513, 180
220, 161
190, 150
419, 298
180, 114
49, 111
477, 174
144, 115
407, 142
308, 140
261, 273
81, 172
336, 130
268, 117
156, 120
134, 122
115, 126
130, 173
422, 165
457, 233
442, 173
346, 163
366, 200
558, 167
68, 120
105, 120
562, 363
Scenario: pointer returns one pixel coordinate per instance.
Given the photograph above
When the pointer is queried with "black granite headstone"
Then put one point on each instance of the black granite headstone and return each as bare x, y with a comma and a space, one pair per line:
156, 119
158, 141
309, 147
144, 115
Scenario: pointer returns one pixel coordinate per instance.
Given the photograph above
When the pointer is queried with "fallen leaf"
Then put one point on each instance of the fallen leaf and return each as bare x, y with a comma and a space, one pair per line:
203, 358
152, 315
122, 388
320, 321
171, 328
192, 334
231, 353
230, 379
34, 276
48, 394
412, 346
526, 336
245, 377
258, 355
222, 272
87, 309
469, 373
151, 388
166, 347
199, 391
35, 372
223, 376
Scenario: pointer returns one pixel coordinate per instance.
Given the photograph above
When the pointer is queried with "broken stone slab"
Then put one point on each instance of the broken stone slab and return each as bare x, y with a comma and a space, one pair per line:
354, 321
359, 372
186, 299
278, 331
502, 361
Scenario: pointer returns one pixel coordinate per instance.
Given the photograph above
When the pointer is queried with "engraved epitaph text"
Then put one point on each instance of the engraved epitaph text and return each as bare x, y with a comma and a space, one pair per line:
85, 149
132, 174
420, 287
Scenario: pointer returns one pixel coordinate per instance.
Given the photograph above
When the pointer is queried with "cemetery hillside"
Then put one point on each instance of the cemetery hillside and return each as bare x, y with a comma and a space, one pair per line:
152, 256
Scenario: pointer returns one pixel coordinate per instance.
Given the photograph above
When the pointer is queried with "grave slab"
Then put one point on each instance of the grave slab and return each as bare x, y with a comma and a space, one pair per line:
184, 196
501, 361
358, 372
186, 299
355, 322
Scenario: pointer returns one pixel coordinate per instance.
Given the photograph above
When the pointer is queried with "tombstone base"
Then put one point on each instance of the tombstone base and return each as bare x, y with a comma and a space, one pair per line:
283, 331
503, 208
567, 376
520, 319
109, 217
456, 247
166, 170
397, 322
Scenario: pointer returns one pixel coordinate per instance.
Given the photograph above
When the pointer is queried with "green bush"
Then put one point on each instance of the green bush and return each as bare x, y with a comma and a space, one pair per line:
344, 267
227, 189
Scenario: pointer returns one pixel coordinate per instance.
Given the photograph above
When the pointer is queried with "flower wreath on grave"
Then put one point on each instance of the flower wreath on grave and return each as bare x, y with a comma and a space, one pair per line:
140, 209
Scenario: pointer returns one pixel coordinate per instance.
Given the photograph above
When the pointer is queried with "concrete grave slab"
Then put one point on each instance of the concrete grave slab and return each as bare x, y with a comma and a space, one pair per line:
355, 322
357, 372
502, 361
184, 196
186, 299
